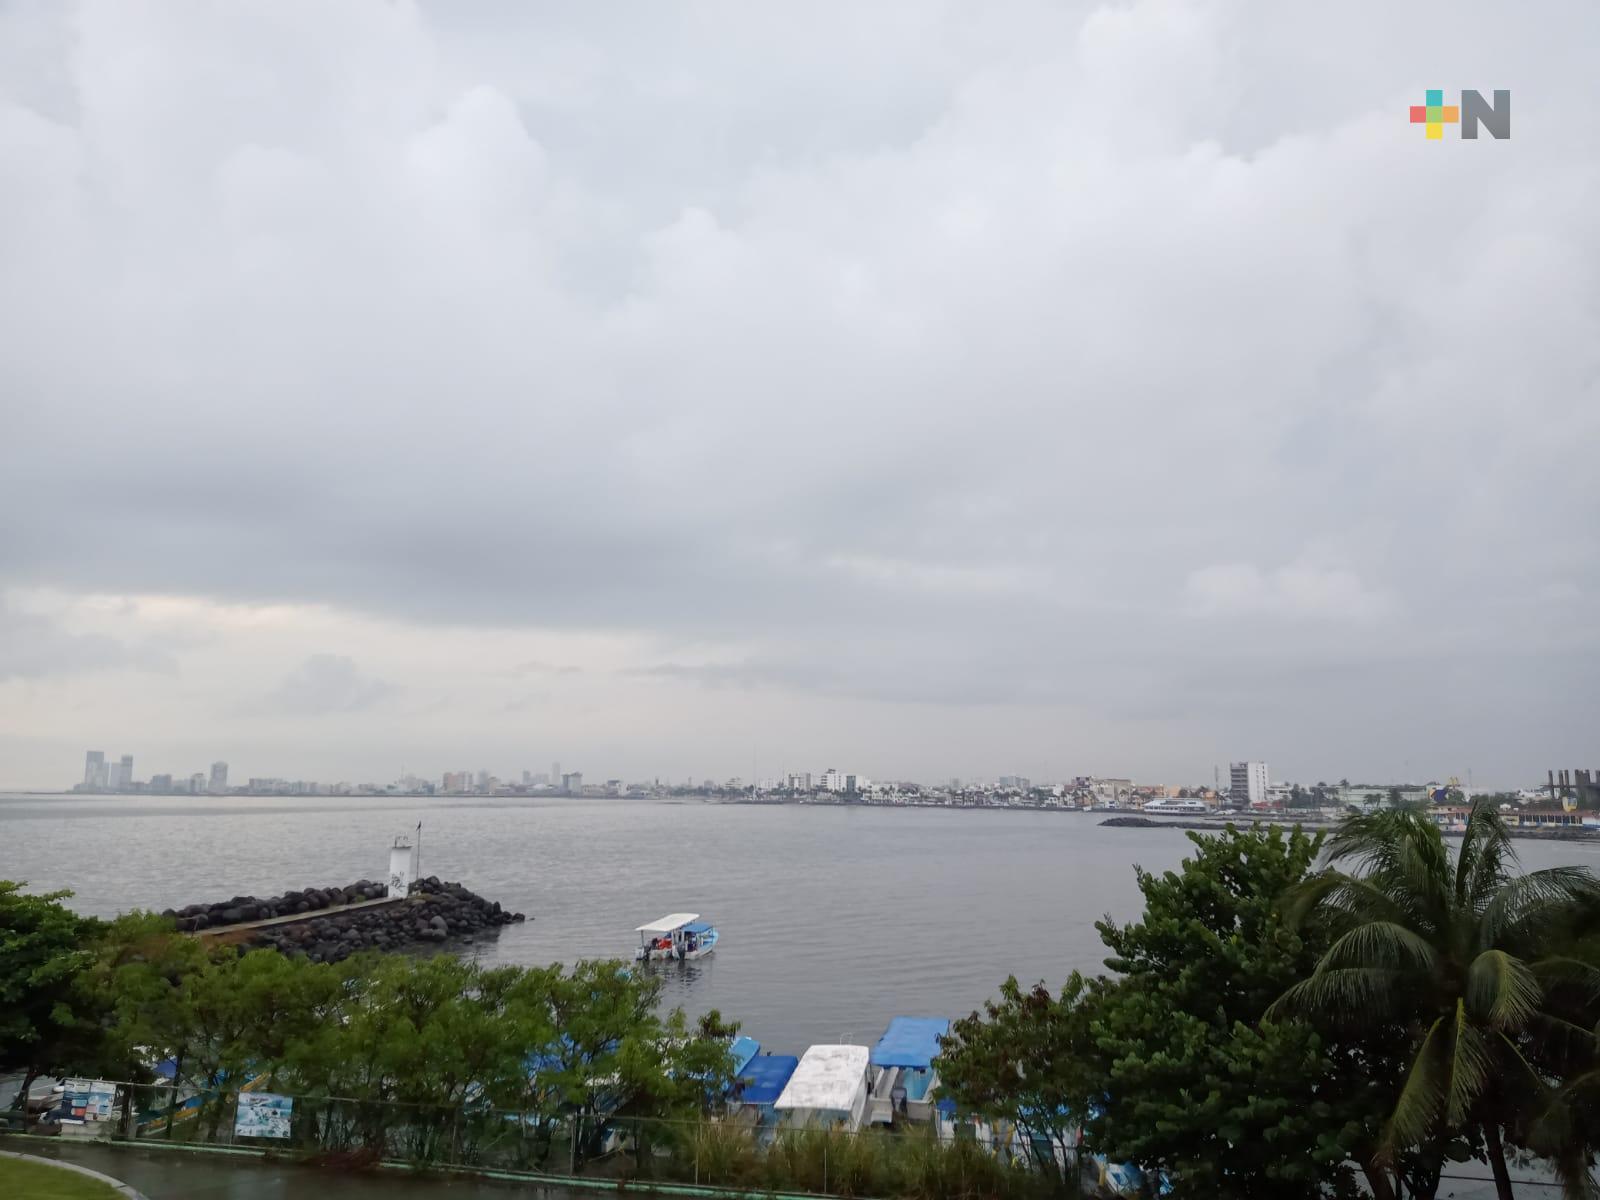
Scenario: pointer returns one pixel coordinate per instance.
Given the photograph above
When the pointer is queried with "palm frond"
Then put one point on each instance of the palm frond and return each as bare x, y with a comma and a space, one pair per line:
1561, 968
1344, 995
1402, 853
1354, 897
1384, 944
1587, 1083
1493, 855
1502, 990
1561, 1034
1469, 1065
1534, 903
1555, 1123
1421, 1101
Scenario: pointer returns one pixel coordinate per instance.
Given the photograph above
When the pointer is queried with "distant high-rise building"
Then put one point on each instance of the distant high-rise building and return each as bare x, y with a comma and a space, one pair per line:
94, 769
572, 782
219, 777
555, 774
116, 777
127, 770
483, 781
456, 781
197, 783
161, 784
527, 777
1247, 782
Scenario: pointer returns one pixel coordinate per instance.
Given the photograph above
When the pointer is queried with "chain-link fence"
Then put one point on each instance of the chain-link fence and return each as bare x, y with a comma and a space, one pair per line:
745, 1149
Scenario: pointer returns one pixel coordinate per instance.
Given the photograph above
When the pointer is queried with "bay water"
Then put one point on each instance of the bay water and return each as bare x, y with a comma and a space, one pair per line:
832, 919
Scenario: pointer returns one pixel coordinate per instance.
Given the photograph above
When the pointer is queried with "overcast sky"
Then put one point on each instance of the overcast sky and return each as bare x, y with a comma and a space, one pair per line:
921, 389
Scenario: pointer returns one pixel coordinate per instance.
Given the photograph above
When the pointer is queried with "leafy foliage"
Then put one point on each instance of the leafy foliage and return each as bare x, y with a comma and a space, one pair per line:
1487, 973
1029, 1059
44, 1024
1198, 1084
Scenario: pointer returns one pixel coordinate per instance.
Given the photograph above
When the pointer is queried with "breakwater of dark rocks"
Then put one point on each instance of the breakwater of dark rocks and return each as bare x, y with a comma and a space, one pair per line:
1147, 823
326, 929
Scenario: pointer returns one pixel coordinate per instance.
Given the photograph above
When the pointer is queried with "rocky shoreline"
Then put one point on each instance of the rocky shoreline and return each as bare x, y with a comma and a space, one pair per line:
434, 912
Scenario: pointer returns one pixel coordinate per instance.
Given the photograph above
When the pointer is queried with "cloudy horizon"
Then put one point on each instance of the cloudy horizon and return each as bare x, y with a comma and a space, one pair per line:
921, 389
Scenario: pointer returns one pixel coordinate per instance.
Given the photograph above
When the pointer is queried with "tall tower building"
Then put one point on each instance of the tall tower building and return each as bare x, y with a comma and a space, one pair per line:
127, 770
219, 778
94, 769
555, 774
1247, 781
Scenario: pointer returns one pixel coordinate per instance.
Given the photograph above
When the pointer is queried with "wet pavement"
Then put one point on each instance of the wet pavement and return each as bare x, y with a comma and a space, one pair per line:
175, 1175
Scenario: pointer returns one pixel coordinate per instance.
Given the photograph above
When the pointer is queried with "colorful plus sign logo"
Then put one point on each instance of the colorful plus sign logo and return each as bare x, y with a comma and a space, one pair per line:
1435, 114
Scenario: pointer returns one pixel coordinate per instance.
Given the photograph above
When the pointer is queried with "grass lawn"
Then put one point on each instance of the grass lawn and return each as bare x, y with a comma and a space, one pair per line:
36, 1181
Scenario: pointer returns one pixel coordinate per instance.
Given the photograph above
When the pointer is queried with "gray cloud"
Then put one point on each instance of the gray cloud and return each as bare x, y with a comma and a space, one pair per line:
324, 684
1025, 354
34, 646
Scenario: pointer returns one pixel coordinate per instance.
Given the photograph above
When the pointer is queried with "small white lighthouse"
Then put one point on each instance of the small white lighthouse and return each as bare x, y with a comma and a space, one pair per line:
402, 867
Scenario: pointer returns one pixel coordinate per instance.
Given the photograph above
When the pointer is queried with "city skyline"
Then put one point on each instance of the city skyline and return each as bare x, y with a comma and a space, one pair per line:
1250, 779
1043, 393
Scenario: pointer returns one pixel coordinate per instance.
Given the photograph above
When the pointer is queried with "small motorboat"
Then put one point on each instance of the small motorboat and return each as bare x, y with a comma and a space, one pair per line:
677, 937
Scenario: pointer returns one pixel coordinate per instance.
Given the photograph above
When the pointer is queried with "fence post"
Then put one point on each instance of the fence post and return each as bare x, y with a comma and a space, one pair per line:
827, 1140
696, 1136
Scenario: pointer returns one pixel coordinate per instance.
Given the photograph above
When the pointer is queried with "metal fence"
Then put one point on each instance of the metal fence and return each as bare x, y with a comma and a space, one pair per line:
740, 1150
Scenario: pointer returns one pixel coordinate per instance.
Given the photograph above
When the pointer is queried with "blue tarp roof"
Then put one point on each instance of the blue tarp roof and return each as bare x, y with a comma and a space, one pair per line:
910, 1042
744, 1049
698, 927
765, 1077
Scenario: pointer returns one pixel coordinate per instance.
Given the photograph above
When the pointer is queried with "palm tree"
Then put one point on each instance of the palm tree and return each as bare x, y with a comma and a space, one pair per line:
1463, 954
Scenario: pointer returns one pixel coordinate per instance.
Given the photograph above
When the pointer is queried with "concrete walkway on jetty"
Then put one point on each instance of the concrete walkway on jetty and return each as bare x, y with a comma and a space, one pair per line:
223, 931
184, 1175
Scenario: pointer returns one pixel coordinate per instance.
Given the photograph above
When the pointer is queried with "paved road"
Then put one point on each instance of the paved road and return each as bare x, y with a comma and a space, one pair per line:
169, 1175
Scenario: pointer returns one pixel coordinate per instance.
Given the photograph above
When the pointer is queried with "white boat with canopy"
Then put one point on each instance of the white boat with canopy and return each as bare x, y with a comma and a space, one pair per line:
676, 937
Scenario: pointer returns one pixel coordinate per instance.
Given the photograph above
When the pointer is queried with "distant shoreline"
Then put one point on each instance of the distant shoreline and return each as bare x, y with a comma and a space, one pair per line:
1110, 818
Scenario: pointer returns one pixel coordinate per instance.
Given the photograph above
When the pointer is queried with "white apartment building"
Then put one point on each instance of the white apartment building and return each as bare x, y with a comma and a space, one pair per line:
1248, 782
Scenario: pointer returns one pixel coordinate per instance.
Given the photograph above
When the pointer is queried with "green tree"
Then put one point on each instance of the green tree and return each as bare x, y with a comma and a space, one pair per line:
1030, 1058
46, 1024
1199, 1085
1467, 960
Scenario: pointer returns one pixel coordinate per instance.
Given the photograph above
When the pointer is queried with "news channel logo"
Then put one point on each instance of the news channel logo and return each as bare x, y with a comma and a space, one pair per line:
1472, 114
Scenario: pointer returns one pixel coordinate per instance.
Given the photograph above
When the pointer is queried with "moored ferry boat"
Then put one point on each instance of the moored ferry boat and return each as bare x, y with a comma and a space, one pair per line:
1173, 807
676, 937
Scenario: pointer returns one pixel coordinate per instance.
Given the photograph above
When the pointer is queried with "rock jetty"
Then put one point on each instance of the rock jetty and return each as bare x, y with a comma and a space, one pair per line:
1147, 823
329, 930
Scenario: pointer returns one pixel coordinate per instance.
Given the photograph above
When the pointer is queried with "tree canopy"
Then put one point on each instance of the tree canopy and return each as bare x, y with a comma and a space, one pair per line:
1486, 968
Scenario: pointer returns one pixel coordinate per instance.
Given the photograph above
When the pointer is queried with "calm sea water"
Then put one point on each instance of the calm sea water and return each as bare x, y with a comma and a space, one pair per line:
833, 920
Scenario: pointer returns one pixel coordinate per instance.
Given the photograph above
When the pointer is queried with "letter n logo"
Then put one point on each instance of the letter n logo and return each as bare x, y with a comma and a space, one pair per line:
1475, 111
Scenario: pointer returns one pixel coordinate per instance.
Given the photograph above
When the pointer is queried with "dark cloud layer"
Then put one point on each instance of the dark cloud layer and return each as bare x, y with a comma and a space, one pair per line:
1138, 357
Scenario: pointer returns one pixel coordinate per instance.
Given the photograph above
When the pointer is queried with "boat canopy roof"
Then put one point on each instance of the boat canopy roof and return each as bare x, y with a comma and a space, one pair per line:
698, 927
743, 1050
910, 1042
766, 1076
670, 923
828, 1078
